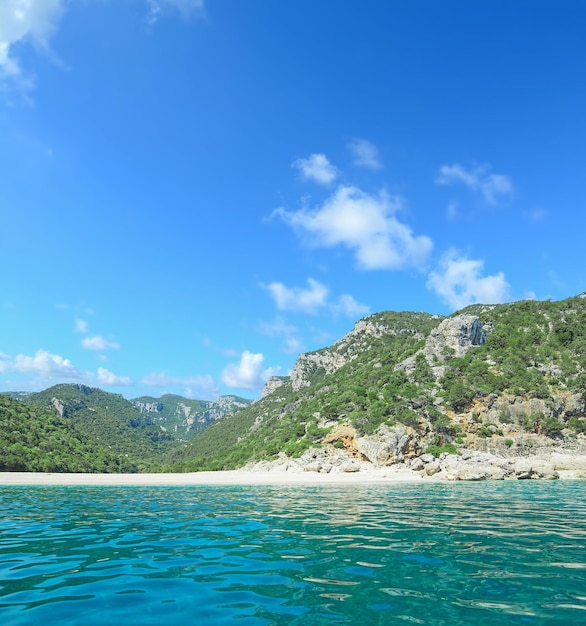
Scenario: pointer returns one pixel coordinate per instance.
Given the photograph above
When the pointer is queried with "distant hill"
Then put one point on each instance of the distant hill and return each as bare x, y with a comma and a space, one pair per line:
182, 417
33, 439
501, 378
106, 418
134, 432
507, 379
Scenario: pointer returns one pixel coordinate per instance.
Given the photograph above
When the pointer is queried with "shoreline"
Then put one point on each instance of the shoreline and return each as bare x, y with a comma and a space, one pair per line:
471, 466
231, 477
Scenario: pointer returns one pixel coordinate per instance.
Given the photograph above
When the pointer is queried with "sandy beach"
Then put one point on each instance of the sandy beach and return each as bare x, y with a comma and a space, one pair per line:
234, 477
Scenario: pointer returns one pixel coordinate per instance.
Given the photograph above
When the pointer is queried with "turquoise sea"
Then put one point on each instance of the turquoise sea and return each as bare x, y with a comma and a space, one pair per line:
466, 553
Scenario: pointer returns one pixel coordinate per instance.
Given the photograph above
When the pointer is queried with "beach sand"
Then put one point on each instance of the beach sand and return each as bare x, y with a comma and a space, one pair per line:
234, 477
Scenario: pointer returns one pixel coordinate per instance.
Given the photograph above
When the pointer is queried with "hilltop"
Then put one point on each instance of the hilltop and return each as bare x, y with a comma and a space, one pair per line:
492, 391
125, 435
495, 380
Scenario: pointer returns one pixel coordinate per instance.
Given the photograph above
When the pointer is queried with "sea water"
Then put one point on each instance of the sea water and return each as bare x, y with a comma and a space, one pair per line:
467, 553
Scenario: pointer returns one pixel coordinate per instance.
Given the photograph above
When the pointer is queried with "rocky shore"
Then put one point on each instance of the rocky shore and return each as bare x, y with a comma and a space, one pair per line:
470, 465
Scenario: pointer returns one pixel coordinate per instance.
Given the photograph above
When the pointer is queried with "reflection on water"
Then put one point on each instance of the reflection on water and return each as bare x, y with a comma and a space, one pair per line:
486, 553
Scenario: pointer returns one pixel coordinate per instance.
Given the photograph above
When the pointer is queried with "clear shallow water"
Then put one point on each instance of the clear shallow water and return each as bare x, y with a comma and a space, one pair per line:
489, 553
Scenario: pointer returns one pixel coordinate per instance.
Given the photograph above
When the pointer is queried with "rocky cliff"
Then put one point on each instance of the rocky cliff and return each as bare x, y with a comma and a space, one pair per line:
359, 340
501, 380
183, 417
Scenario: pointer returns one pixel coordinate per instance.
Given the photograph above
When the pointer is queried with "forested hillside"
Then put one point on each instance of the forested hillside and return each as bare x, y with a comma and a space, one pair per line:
504, 377
507, 379
38, 440
106, 418
183, 417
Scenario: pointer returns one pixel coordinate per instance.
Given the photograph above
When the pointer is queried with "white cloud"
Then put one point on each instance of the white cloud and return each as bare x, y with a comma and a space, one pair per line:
81, 326
186, 7
248, 373
365, 154
347, 305
290, 334
452, 210
459, 282
299, 299
97, 342
310, 300
198, 386
536, 215
480, 179
32, 21
5, 363
364, 223
43, 364
317, 168
106, 377
35, 22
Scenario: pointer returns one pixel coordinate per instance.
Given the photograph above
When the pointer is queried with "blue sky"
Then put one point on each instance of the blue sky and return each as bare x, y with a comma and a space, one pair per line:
192, 192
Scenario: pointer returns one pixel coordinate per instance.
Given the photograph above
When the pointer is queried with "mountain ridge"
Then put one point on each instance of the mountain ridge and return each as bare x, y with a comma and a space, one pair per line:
506, 379
411, 388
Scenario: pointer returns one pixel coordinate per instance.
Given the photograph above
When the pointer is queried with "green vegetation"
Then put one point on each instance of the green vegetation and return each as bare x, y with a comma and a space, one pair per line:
533, 359
37, 440
107, 419
182, 417
436, 450
533, 350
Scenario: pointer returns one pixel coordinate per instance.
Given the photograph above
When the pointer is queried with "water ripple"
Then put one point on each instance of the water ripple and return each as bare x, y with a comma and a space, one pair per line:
435, 554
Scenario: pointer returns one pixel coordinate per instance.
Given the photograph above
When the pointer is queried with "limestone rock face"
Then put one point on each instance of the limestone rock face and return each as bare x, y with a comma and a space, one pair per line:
325, 460
452, 338
507, 413
456, 335
83, 388
58, 406
473, 466
63, 410
343, 351
386, 447
311, 363
216, 410
274, 382
148, 407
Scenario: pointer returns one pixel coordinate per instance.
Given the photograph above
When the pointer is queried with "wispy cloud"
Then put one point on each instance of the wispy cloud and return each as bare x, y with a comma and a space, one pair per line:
187, 8
97, 342
492, 187
314, 298
459, 282
317, 168
81, 326
198, 386
307, 300
42, 363
365, 154
31, 21
106, 377
536, 215
35, 22
347, 305
364, 223
292, 342
248, 373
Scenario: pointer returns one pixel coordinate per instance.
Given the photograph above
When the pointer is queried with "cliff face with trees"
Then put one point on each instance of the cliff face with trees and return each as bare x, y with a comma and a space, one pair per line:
40, 440
76, 428
508, 379
400, 387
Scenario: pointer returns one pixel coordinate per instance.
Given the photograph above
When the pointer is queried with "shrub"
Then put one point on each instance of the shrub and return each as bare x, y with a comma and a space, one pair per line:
436, 450
551, 427
577, 425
